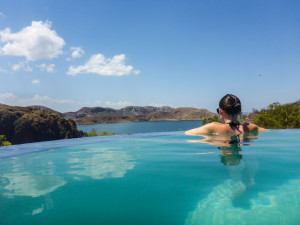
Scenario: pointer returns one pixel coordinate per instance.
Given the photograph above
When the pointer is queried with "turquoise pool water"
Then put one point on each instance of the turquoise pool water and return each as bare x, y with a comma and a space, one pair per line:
160, 178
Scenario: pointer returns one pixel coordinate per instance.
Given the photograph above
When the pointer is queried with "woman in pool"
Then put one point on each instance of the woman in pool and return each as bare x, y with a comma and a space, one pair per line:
228, 137
229, 109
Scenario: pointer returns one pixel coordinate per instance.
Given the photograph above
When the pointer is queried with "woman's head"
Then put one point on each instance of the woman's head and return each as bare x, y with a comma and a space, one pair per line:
230, 104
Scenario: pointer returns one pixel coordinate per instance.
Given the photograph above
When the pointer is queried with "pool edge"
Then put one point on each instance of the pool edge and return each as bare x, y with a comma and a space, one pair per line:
20, 149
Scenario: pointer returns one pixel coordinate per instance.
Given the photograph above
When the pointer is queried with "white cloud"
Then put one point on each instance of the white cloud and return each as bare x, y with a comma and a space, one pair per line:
136, 72
2, 16
36, 82
45, 67
2, 70
34, 42
117, 104
156, 104
60, 105
77, 52
100, 65
21, 66
97, 102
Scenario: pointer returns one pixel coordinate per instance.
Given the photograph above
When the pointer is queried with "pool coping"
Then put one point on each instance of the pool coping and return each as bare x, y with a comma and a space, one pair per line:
20, 149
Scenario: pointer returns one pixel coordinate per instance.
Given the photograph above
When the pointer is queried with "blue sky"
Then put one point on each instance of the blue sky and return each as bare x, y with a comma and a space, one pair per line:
69, 54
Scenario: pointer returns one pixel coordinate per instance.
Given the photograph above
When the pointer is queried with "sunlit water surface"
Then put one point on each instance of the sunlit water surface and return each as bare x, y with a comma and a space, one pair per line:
142, 127
155, 180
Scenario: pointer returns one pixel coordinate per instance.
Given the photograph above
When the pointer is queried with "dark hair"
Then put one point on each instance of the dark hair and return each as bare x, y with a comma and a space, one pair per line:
230, 104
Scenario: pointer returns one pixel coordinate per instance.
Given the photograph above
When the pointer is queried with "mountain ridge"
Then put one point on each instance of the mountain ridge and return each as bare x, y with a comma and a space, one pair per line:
182, 113
126, 111
92, 115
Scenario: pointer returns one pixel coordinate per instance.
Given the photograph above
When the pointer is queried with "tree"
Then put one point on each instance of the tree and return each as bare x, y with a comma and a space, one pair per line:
278, 116
210, 120
204, 121
93, 133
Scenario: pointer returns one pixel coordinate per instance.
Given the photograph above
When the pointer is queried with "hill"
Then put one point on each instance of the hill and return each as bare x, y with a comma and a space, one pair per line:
40, 107
127, 111
184, 113
28, 124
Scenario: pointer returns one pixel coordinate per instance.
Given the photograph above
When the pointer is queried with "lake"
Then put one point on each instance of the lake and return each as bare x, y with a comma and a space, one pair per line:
143, 127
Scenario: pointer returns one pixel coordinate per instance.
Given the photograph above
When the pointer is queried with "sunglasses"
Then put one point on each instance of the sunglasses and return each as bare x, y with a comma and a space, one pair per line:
218, 111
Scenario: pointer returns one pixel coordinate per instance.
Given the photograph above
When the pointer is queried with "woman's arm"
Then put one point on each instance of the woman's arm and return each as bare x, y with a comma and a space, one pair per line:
260, 129
206, 129
255, 128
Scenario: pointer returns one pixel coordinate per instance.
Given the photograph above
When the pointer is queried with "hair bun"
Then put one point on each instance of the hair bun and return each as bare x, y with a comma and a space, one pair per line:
234, 109
230, 104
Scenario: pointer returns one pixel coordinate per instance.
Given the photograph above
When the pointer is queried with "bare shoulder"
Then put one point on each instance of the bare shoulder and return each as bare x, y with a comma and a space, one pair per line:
206, 129
254, 128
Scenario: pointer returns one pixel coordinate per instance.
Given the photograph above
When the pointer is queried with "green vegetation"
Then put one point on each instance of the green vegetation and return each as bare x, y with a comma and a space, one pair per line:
26, 124
4, 141
210, 119
278, 116
94, 133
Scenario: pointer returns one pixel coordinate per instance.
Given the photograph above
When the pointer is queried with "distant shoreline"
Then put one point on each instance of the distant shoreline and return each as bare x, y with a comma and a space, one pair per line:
166, 120
179, 114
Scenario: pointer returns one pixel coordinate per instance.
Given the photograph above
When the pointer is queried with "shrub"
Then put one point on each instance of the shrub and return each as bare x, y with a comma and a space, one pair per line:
4, 141
279, 116
210, 120
94, 133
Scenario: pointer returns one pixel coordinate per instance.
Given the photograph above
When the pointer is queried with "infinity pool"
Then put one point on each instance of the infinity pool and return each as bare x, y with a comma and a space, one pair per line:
158, 178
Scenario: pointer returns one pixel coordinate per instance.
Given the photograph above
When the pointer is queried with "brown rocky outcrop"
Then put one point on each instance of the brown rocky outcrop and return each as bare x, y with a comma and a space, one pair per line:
27, 124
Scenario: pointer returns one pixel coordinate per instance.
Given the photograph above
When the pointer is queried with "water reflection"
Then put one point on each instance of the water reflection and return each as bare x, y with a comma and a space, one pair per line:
32, 177
37, 175
241, 170
100, 163
231, 155
26, 184
229, 202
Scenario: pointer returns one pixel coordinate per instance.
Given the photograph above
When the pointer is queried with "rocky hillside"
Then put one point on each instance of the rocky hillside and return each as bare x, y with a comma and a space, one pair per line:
185, 113
127, 111
27, 124
40, 107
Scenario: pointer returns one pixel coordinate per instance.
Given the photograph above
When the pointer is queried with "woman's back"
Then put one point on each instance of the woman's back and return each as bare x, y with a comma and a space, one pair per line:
229, 109
239, 128
218, 128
